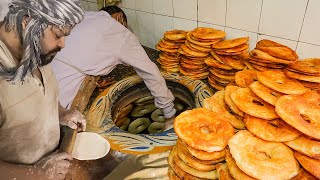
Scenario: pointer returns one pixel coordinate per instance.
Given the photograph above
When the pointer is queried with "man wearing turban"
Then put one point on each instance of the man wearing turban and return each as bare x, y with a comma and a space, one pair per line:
32, 32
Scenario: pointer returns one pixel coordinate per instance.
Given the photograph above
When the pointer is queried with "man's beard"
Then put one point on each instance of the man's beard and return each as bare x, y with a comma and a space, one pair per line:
47, 58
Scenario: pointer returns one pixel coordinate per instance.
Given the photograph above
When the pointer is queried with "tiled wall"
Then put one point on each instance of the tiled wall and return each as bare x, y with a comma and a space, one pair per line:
294, 23
89, 5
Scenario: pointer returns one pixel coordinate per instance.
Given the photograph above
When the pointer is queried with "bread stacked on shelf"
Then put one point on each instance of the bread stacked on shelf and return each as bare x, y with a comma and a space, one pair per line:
225, 60
300, 70
169, 45
271, 55
196, 49
203, 137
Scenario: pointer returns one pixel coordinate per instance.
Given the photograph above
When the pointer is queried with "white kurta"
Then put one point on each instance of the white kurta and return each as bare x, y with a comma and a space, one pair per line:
95, 47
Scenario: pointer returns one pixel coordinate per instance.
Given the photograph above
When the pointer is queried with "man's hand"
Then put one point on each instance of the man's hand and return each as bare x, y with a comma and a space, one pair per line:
169, 122
54, 166
74, 119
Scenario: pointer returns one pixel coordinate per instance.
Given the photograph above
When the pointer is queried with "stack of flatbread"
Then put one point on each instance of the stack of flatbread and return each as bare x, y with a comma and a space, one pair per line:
196, 49
169, 45
225, 60
307, 71
271, 55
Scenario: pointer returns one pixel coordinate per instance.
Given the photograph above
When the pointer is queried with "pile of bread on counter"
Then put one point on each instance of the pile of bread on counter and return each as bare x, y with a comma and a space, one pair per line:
263, 123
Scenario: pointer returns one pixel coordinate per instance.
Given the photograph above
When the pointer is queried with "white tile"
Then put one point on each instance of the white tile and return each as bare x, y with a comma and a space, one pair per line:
185, 9
202, 24
282, 18
163, 7
308, 51
212, 11
286, 42
236, 33
85, 5
161, 25
144, 5
130, 4
93, 6
243, 14
184, 24
132, 20
311, 26
146, 29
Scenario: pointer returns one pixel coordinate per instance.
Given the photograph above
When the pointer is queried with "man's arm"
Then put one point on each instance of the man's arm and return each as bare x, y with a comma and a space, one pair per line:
133, 54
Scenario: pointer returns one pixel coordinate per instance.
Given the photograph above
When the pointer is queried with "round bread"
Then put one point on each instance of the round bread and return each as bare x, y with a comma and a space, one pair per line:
264, 57
193, 53
234, 170
309, 164
170, 43
166, 49
261, 159
228, 53
177, 170
172, 175
229, 102
226, 77
251, 104
311, 85
277, 50
245, 78
302, 77
163, 45
189, 38
208, 33
204, 155
215, 84
203, 129
240, 48
217, 104
124, 112
230, 43
308, 66
278, 81
306, 146
212, 62
234, 63
273, 130
302, 112
175, 35
223, 172
184, 167
304, 175
265, 93
197, 47
191, 161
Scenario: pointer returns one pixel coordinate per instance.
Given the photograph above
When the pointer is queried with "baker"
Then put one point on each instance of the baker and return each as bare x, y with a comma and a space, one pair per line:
32, 32
96, 46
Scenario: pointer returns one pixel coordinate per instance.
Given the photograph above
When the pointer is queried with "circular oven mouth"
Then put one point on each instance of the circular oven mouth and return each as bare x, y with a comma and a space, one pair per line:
103, 113
134, 110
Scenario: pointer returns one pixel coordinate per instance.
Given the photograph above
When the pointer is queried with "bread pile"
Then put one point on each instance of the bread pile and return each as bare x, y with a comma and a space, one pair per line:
169, 45
196, 49
282, 122
203, 137
271, 55
307, 71
225, 60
